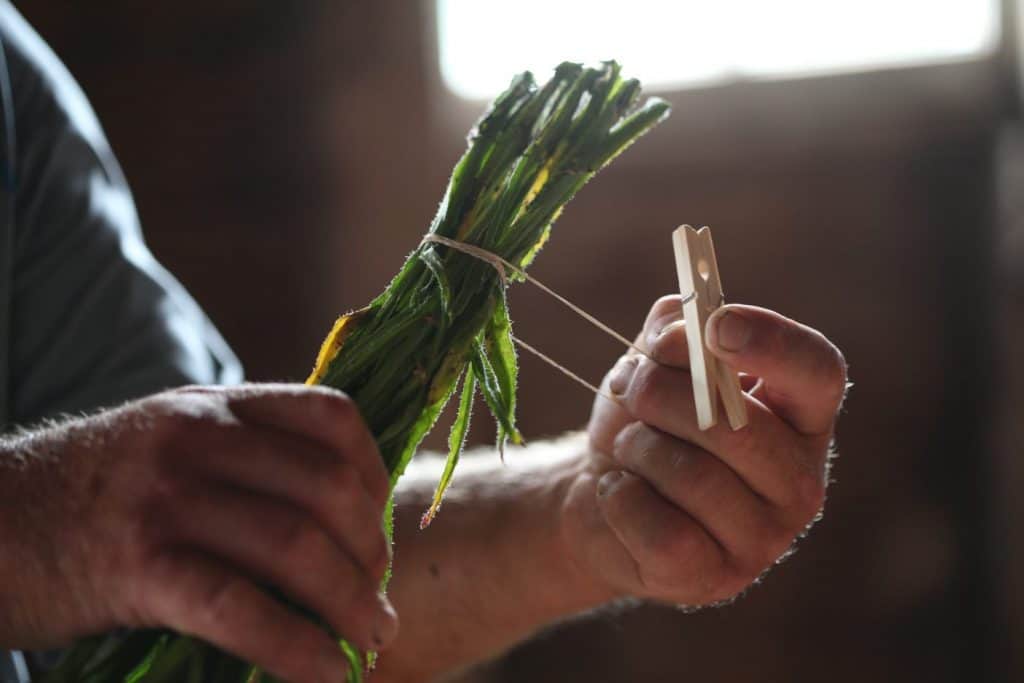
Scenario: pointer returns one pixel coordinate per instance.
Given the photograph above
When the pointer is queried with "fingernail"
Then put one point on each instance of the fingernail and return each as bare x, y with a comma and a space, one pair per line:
608, 481
671, 327
387, 625
666, 340
622, 374
729, 331
333, 665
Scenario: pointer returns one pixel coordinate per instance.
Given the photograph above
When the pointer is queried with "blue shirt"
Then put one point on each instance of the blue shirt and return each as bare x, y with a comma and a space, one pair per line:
88, 318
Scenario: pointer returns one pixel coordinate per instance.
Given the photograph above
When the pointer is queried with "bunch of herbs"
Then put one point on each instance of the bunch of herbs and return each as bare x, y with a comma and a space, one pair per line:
442, 320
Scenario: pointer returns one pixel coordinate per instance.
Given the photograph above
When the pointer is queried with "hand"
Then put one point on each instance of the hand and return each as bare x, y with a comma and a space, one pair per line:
665, 511
178, 510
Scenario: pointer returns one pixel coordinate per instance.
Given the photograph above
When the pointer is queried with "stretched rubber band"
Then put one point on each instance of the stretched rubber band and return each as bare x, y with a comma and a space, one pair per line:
566, 371
499, 264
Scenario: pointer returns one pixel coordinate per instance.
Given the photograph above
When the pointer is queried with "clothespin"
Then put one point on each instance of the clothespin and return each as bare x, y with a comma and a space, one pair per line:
701, 288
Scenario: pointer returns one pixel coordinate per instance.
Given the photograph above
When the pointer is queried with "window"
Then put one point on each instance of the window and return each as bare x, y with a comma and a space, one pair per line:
667, 44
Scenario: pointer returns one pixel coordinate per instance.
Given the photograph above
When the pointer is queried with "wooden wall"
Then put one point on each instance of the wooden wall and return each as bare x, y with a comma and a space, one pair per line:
286, 156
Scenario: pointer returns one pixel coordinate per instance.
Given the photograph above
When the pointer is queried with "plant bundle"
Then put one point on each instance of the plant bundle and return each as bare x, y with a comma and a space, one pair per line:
443, 319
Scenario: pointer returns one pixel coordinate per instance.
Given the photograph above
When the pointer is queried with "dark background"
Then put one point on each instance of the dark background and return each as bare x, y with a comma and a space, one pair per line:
285, 156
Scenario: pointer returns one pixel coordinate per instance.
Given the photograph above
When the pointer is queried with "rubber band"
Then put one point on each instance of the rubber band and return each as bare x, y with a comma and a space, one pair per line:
566, 371
499, 264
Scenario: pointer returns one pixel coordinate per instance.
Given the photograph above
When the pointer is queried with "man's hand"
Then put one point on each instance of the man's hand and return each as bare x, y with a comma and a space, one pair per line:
651, 507
180, 509
665, 511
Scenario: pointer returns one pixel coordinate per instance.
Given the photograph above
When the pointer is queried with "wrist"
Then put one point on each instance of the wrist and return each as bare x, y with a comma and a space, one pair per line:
525, 524
28, 549
494, 567
577, 578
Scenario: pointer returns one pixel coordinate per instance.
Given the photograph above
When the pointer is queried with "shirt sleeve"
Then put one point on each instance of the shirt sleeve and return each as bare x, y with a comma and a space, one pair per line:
95, 320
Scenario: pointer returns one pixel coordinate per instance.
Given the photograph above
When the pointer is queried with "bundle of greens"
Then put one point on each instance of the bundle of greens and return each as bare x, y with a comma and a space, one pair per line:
444, 317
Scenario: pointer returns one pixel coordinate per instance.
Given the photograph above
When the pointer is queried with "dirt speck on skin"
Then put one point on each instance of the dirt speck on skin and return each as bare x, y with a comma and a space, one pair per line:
435, 571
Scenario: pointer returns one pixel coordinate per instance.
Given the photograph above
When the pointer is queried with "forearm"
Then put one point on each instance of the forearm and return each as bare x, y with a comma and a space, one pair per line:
492, 568
13, 553
30, 554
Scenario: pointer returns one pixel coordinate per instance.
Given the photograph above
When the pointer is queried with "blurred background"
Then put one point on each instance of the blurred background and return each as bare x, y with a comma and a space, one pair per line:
861, 164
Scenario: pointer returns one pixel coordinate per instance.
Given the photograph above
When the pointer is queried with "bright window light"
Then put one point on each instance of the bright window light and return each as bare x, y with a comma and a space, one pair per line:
684, 42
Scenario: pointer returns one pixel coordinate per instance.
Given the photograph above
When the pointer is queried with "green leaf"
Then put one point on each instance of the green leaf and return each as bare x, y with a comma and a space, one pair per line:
433, 262
456, 441
625, 132
356, 662
500, 408
501, 355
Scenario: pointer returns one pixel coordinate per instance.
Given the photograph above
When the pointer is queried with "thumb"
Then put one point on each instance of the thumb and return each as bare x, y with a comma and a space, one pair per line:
804, 373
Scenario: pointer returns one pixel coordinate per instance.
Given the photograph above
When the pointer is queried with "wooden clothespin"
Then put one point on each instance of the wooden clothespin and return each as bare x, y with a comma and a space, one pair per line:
701, 288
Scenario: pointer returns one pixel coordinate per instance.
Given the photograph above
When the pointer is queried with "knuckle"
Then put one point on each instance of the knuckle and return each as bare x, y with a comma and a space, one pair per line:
822, 359
664, 456
774, 539
144, 538
749, 439
158, 508
809, 492
779, 340
162, 569
670, 548
218, 600
332, 406
719, 585
160, 578
646, 392
682, 562
353, 610
619, 501
664, 306
670, 343
698, 469
308, 559
167, 482
155, 519
727, 583
832, 372
296, 535
628, 441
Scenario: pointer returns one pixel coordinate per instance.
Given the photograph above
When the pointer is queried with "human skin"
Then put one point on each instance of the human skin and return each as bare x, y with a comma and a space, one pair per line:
644, 505
174, 511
